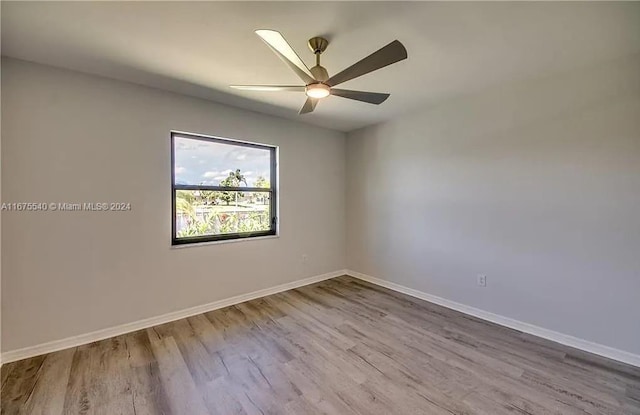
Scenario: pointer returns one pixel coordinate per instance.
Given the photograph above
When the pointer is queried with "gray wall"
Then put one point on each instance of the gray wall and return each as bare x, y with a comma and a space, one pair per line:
73, 137
535, 184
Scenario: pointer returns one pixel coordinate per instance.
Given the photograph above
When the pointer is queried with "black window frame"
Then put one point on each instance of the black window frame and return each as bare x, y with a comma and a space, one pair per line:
272, 190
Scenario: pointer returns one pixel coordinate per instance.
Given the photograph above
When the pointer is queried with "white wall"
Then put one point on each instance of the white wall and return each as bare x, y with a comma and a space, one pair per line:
536, 184
72, 137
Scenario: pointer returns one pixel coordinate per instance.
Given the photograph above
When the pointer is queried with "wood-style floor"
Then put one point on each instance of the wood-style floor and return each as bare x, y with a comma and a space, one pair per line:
337, 347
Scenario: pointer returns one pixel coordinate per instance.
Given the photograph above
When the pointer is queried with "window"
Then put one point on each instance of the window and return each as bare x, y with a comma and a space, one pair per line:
222, 189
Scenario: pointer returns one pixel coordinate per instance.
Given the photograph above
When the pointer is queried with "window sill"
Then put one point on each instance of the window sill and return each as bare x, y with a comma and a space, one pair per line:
226, 241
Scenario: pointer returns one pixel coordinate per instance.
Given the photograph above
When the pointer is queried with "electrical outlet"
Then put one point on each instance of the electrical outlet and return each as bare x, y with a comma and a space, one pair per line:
482, 280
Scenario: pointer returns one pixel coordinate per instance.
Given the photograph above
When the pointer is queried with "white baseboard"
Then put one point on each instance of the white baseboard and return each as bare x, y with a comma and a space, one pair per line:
587, 346
31, 351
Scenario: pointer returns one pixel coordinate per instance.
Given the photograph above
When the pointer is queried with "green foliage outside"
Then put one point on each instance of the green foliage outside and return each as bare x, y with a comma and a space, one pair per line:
235, 179
262, 182
211, 212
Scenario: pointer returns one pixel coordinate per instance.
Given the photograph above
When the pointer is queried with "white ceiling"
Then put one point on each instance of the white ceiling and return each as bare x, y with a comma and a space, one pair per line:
199, 48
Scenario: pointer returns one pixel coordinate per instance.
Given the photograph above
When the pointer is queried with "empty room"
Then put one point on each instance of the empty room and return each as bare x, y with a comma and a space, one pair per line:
299, 208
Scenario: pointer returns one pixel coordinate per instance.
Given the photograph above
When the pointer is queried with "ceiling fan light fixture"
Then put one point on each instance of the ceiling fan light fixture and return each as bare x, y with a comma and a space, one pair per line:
318, 90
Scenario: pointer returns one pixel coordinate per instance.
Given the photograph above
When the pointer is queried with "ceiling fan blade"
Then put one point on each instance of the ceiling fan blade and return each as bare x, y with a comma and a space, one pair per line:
392, 53
280, 46
309, 105
370, 97
269, 88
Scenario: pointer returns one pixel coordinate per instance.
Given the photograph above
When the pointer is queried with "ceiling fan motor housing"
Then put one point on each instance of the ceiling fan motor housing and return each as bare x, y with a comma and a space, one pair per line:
320, 73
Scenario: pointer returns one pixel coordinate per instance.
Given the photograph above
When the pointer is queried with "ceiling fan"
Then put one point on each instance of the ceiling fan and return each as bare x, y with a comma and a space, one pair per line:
318, 84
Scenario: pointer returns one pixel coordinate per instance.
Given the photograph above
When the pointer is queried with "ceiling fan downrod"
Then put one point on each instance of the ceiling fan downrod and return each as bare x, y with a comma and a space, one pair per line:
318, 45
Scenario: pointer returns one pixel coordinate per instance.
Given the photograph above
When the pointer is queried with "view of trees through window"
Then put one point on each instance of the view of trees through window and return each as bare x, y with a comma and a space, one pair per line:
214, 201
211, 212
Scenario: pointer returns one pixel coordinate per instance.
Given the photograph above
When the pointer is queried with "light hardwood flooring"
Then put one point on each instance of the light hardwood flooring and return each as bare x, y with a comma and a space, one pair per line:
337, 347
